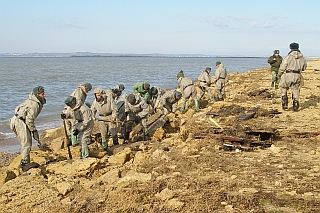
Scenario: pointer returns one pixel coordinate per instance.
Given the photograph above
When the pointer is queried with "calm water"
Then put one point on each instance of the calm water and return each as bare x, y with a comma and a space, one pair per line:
61, 76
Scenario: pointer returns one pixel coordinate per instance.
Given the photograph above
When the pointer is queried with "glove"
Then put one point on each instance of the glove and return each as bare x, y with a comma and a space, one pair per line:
75, 132
35, 135
63, 116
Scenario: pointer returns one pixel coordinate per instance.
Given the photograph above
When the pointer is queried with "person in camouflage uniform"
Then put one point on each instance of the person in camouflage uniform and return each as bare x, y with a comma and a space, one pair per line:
22, 123
142, 89
290, 73
108, 114
205, 84
219, 81
188, 90
275, 61
82, 119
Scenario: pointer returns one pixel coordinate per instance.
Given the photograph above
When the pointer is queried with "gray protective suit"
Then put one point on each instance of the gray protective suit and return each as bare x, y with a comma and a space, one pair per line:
138, 112
219, 80
82, 119
204, 84
107, 111
187, 88
155, 99
22, 123
169, 101
290, 73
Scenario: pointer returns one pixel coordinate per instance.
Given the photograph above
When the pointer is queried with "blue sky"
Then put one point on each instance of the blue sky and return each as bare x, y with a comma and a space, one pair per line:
225, 27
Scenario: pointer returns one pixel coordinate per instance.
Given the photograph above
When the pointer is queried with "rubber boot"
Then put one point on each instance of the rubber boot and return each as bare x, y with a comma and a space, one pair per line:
115, 141
104, 145
284, 102
196, 105
84, 153
211, 99
199, 98
183, 106
295, 105
73, 138
146, 136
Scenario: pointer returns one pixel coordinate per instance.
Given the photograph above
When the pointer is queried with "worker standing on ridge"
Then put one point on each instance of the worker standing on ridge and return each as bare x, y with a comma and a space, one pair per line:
22, 123
188, 90
205, 84
220, 81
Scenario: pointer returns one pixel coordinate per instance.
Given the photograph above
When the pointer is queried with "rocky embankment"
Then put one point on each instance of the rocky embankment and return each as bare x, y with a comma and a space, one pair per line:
244, 154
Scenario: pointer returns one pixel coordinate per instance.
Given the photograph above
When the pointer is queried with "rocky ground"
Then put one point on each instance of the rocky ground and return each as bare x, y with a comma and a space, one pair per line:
206, 161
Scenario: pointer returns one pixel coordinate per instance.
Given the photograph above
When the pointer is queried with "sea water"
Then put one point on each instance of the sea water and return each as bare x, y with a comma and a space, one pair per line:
61, 76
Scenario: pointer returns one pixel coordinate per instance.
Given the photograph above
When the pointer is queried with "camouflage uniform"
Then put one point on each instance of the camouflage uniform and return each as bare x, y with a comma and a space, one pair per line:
275, 61
155, 99
290, 70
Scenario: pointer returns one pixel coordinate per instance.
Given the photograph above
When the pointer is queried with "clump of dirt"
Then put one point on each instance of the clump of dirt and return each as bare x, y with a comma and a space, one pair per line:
231, 110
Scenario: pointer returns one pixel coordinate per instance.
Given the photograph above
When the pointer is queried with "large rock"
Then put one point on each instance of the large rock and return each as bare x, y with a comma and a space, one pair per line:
51, 134
121, 157
64, 187
73, 168
110, 177
133, 176
6, 175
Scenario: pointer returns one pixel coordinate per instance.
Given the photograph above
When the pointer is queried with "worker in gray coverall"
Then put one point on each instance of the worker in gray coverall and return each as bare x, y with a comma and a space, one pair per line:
169, 101
82, 119
22, 123
137, 110
80, 94
108, 113
205, 84
219, 81
188, 90
155, 96
290, 73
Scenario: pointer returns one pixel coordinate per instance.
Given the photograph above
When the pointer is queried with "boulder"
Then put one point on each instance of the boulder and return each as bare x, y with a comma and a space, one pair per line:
133, 176
73, 168
64, 187
120, 157
35, 156
6, 175
110, 177
158, 135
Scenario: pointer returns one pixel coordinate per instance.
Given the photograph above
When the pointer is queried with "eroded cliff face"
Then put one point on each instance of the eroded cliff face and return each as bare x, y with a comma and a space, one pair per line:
186, 166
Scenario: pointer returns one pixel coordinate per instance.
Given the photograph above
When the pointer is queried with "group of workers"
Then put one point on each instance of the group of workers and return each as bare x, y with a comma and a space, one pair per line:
118, 113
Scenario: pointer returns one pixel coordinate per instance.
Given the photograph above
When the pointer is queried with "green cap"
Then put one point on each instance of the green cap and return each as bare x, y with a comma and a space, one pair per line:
208, 68
180, 74
70, 100
276, 52
218, 62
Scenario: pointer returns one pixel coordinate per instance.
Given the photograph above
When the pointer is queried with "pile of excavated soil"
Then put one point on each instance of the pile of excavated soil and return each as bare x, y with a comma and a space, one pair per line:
183, 173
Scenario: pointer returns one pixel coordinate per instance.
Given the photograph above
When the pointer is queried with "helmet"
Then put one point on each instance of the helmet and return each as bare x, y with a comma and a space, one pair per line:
38, 90
88, 86
177, 95
70, 100
146, 85
276, 52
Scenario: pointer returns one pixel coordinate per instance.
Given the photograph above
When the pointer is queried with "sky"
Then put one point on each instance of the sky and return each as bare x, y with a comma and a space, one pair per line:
210, 27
